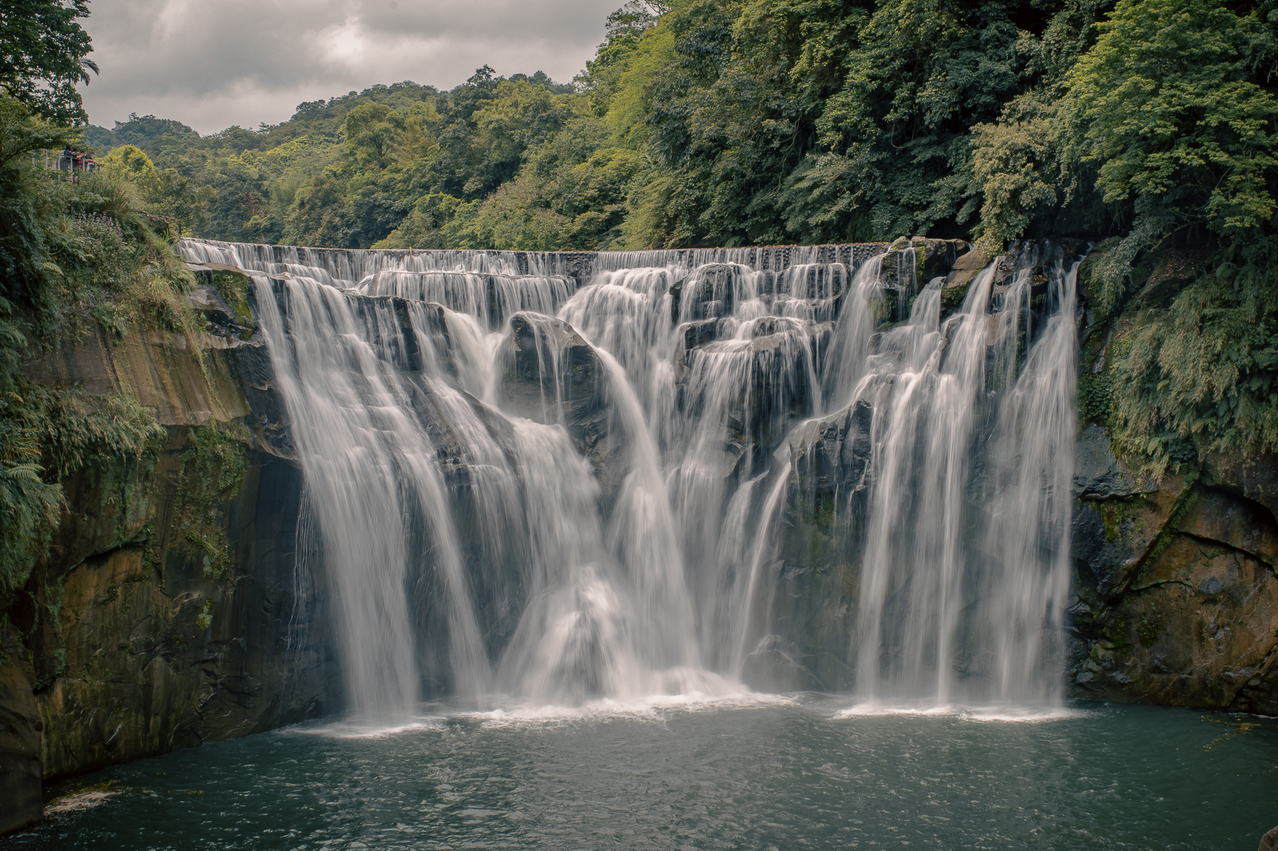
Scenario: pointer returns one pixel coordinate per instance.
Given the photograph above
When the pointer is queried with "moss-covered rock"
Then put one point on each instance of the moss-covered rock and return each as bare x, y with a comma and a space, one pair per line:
1174, 546
166, 610
1176, 588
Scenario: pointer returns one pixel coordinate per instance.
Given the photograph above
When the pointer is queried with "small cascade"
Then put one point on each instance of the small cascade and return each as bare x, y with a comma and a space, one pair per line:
555, 478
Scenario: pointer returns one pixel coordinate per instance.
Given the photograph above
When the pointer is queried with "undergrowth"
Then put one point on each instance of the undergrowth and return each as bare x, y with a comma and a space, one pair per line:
76, 258
1192, 370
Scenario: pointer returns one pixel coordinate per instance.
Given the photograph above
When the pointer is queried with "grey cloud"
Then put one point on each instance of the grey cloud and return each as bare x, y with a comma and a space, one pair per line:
559, 21
213, 63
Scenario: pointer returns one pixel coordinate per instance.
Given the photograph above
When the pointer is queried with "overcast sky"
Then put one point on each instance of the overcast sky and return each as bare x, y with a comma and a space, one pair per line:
214, 63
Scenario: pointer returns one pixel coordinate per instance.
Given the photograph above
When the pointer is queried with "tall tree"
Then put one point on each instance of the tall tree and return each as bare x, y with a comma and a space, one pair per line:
43, 52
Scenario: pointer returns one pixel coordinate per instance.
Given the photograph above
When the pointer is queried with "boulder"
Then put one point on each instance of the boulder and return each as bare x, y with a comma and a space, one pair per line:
550, 374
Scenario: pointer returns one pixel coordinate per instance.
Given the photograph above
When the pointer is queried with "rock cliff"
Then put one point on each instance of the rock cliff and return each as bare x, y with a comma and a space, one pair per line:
1177, 573
167, 611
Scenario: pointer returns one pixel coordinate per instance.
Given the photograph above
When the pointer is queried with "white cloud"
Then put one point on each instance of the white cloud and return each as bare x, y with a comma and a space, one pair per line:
214, 63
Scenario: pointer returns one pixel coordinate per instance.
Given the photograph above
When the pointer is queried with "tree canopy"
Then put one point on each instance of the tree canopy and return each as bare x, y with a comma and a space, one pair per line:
43, 56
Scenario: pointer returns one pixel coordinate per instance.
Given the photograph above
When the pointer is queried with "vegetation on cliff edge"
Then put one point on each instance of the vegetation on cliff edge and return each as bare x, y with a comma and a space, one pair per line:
76, 258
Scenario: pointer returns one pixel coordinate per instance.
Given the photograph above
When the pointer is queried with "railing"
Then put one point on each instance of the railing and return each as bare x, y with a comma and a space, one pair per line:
69, 163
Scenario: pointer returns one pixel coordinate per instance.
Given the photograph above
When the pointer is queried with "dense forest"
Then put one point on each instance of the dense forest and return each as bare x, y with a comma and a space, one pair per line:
754, 121
1148, 127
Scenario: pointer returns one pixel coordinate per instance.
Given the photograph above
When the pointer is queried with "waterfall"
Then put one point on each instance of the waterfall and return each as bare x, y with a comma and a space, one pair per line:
553, 478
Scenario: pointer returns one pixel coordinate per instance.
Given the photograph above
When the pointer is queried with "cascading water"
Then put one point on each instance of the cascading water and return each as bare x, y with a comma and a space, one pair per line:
558, 477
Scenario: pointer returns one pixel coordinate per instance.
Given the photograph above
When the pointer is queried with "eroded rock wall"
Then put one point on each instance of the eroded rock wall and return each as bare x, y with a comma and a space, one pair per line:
170, 609
1176, 583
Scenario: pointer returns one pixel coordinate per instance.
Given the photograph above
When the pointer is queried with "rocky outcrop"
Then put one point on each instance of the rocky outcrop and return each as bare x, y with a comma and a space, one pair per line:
813, 608
1176, 577
167, 611
1177, 587
20, 728
551, 374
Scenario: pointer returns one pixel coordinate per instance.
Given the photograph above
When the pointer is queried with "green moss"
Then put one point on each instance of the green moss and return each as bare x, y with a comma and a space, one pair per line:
1114, 516
1117, 631
210, 475
1094, 273
1147, 630
952, 297
234, 288
204, 619
1096, 397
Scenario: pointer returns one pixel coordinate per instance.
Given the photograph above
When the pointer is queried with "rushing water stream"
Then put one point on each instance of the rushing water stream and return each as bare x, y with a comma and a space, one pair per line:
542, 479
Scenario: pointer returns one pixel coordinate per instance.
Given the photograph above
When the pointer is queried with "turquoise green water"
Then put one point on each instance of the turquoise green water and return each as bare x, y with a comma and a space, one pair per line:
783, 775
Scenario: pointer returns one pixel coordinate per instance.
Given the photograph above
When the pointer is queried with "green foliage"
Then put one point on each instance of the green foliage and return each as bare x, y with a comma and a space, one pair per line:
21, 132
1174, 108
234, 288
1016, 163
210, 476
29, 508
78, 429
75, 256
42, 56
47, 435
1167, 106
422, 227
1202, 371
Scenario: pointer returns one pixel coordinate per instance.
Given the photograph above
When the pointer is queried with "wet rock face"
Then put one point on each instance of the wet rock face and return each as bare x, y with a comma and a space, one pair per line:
20, 729
197, 652
160, 643
1177, 589
167, 611
813, 607
833, 455
156, 645
552, 375
708, 293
